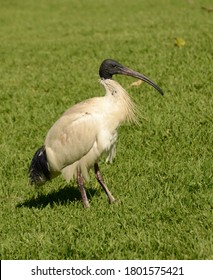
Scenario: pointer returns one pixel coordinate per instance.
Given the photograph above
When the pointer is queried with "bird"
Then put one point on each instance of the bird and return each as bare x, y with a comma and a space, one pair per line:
85, 132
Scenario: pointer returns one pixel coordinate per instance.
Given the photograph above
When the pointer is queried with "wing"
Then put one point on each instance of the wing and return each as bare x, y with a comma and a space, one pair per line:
80, 136
71, 138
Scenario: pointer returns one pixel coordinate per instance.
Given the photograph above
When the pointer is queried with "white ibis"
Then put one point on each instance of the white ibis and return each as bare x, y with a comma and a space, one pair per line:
86, 131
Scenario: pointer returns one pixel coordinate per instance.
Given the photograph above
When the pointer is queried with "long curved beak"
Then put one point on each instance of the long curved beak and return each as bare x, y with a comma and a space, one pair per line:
132, 73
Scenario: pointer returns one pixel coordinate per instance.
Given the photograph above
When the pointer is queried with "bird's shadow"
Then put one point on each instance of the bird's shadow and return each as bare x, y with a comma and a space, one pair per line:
62, 196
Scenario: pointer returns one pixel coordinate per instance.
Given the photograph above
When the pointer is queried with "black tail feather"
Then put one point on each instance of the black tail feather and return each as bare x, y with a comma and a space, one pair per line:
39, 172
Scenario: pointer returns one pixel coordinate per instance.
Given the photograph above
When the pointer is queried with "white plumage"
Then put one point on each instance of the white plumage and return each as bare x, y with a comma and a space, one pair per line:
85, 132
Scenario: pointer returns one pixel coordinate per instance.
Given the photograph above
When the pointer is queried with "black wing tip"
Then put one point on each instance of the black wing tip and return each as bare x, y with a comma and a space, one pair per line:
38, 171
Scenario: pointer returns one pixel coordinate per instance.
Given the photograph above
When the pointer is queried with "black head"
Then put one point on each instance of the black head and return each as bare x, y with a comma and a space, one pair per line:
110, 67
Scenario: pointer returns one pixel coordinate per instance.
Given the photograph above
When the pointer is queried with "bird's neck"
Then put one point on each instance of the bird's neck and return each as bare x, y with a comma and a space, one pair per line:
122, 104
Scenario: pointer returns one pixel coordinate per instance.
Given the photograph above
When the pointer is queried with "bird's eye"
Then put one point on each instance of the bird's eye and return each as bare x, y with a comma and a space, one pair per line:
114, 65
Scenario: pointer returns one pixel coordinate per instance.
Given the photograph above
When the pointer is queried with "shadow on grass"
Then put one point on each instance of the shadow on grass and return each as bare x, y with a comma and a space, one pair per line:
60, 197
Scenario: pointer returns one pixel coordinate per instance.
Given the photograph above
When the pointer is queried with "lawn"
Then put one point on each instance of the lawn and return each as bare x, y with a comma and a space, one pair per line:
162, 176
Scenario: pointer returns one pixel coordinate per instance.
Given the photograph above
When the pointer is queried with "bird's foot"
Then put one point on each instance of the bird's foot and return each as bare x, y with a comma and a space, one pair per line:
111, 199
86, 204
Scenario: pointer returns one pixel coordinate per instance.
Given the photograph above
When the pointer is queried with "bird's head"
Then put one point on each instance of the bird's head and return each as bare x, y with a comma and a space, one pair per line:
110, 67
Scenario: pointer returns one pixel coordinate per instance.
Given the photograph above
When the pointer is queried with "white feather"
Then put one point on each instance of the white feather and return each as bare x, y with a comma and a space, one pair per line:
87, 130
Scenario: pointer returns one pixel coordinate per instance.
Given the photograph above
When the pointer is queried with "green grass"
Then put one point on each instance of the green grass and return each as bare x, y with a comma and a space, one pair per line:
50, 53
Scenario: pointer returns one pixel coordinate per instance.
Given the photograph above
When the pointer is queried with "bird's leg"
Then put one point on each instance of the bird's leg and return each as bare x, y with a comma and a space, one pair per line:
101, 182
80, 182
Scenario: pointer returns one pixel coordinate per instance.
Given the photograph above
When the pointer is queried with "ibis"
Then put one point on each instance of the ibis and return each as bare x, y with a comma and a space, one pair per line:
85, 132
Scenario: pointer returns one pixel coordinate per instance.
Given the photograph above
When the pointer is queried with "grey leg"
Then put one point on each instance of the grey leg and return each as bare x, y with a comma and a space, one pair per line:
80, 182
101, 182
